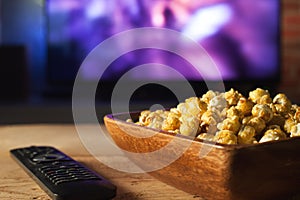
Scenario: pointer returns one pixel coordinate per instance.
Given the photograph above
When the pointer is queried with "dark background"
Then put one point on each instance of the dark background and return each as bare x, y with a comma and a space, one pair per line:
24, 96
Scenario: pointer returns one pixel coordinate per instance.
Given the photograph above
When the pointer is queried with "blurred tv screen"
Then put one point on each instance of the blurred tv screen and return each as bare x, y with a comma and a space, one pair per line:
241, 36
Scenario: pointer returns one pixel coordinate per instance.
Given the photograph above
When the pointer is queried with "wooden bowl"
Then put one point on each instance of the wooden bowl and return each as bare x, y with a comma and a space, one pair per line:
268, 170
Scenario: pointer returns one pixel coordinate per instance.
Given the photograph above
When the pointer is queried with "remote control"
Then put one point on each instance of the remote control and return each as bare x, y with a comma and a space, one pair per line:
62, 177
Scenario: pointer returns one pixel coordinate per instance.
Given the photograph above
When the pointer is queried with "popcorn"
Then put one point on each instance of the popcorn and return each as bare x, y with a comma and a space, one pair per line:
190, 114
282, 104
206, 136
229, 117
246, 135
289, 123
232, 124
296, 111
143, 118
262, 111
155, 119
295, 130
225, 137
208, 96
211, 117
244, 106
172, 122
232, 97
277, 120
232, 112
218, 102
260, 96
273, 133
257, 123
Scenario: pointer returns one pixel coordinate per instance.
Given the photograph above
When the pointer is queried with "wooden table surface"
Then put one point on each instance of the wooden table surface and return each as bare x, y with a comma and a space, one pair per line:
16, 184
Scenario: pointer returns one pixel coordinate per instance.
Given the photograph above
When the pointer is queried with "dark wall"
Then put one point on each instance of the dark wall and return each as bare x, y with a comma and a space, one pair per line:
23, 25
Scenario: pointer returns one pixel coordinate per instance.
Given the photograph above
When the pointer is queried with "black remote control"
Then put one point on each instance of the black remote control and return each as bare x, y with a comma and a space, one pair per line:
60, 176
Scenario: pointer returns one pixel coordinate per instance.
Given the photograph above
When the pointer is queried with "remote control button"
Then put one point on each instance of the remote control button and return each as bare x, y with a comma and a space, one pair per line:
83, 173
56, 172
66, 180
48, 158
58, 177
27, 150
48, 168
60, 164
43, 149
45, 167
21, 152
33, 154
64, 163
63, 180
58, 182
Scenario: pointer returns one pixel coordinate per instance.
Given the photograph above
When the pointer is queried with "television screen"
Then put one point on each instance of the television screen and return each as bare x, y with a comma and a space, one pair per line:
241, 37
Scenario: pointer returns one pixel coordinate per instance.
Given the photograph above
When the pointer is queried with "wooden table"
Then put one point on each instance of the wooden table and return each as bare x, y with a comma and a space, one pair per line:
16, 184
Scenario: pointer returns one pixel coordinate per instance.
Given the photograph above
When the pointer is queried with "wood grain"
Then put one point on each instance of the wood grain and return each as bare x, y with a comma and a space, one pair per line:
261, 171
16, 184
